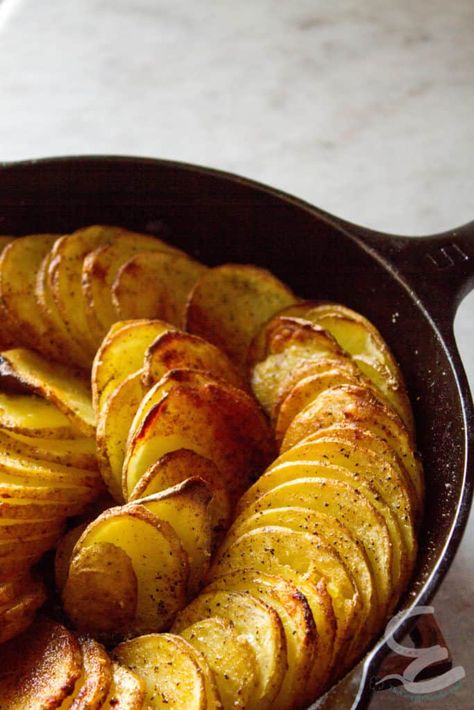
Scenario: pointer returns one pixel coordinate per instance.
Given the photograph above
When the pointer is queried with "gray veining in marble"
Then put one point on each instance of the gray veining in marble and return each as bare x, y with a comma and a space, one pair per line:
363, 107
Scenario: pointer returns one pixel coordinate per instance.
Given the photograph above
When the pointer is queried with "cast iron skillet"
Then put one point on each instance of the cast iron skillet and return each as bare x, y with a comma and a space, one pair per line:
410, 288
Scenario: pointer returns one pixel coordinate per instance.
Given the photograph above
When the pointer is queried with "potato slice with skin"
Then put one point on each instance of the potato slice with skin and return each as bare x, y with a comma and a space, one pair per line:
230, 303
127, 691
158, 560
64, 550
336, 534
113, 426
78, 453
18, 613
351, 508
17, 531
175, 467
273, 549
230, 657
177, 350
7, 339
100, 267
121, 354
19, 262
100, 590
298, 624
65, 277
97, 676
291, 343
357, 405
257, 623
151, 657
16, 468
40, 668
185, 508
33, 416
213, 700
72, 350
155, 285
22, 508
57, 383
222, 425
364, 343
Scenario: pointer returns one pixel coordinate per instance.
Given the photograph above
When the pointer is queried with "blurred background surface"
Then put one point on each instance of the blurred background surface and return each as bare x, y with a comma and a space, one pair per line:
362, 107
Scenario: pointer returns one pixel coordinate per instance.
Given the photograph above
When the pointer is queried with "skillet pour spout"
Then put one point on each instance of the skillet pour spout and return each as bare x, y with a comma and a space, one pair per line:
408, 287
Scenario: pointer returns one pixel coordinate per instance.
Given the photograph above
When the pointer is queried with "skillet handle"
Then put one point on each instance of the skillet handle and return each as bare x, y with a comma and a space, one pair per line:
439, 268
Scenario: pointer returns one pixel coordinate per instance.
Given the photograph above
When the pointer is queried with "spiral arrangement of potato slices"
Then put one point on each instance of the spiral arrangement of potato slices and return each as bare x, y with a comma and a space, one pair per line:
240, 466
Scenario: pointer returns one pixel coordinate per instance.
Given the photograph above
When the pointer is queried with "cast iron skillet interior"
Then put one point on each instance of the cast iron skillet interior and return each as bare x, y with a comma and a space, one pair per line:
409, 288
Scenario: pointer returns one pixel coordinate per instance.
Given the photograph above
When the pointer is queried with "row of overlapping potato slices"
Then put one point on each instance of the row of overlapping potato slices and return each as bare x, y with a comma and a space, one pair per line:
272, 586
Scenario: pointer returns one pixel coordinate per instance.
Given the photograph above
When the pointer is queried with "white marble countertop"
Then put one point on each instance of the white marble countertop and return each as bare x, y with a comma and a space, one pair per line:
363, 107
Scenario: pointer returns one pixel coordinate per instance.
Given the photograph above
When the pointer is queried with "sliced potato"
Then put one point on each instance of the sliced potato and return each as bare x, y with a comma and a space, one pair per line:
230, 657
158, 561
155, 285
7, 338
291, 344
18, 613
298, 624
97, 676
78, 453
351, 404
151, 657
33, 416
350, 507
127, 691
221, 424
185, 508
15, 468
256, 622
100, 589
113, 425
364, 343
39, 669
230, 303
176, 350
64, 550
19, 263
14, 507
121, 354
72, 350
61, 386
175, 467
100, 267
273, 549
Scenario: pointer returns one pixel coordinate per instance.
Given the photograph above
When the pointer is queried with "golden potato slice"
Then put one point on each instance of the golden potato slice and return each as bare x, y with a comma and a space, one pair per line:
33, 416
230, 303
75, 497
39, 669
258, 624
27, 471
72, 350
273, 549
151, 657
298, 624
230, 657
78, 453
291, 343
175, 467
155, 285
357, 405
113, 425
16, 530
29, 546
23, 508
185, 507
221, 424
176, 350
97, 676
336, 534
304, 392
121, 354
58, 384
100, 267
17, 613
100, 589
158, 560
350, 507
65, 277
364, 343
127, 691
19, 262
64, 550
213, 701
